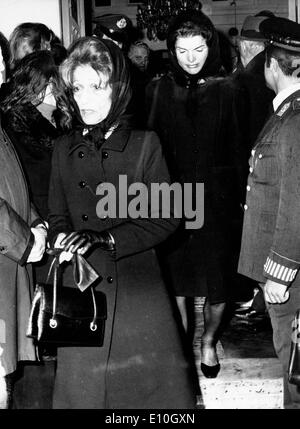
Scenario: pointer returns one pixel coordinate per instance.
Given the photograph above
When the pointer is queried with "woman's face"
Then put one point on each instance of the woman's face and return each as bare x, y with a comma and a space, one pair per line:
92, 94
191, 53
47, 96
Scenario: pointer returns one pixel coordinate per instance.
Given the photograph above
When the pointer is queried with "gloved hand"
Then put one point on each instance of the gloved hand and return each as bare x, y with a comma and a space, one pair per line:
38, 248
82, 241
64, 256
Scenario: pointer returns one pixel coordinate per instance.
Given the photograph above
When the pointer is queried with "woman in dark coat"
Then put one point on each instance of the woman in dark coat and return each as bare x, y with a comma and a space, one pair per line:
141, 364
194, 111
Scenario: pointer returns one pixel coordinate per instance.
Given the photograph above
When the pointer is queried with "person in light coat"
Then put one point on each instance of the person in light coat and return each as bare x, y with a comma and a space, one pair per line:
22, 241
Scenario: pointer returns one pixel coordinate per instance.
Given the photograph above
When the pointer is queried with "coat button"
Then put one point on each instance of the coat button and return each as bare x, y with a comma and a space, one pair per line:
245, 207
82, 184
260, 156
81, 154
251, 170
104, 155
248, 188
196, 151
109, 279
84, 217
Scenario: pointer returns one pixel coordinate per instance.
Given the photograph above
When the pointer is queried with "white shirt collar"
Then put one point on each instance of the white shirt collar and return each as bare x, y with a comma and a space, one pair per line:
284, 94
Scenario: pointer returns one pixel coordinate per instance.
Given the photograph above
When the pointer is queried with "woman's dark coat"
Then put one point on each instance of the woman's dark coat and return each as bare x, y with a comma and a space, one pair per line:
200, 130
141, 364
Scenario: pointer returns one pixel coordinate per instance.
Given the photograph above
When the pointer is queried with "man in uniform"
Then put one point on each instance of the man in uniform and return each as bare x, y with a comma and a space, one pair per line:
258, 103
270, 250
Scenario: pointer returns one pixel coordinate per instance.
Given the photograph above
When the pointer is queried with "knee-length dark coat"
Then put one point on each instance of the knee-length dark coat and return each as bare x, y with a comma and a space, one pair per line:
141, 364
199, 120
202, 145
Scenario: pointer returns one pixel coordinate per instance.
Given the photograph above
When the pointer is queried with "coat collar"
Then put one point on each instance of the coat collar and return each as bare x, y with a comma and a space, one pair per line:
116, 141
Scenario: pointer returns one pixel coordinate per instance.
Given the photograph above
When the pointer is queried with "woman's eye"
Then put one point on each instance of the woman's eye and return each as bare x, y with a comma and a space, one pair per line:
75, 89
97, 86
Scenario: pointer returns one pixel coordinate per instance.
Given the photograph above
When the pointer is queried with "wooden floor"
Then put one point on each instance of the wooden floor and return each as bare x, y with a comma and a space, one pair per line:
250, 375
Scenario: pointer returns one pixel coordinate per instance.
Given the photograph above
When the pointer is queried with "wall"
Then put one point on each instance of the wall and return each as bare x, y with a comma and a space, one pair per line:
14, 12
220, 12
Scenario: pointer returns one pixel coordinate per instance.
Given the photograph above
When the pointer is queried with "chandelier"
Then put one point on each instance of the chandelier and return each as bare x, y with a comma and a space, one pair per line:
154, 15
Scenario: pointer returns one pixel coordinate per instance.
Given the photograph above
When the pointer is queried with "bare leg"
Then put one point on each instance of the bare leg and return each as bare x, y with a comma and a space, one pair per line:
212, 319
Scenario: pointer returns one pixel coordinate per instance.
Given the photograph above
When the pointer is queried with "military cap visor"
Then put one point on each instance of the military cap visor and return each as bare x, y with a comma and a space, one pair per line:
282, 32
115, 26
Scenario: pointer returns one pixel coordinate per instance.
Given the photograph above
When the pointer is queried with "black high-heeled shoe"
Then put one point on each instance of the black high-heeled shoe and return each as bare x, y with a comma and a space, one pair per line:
210, 371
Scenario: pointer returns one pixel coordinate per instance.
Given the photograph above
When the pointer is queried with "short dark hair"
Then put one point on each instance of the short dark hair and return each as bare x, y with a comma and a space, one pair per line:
288, 61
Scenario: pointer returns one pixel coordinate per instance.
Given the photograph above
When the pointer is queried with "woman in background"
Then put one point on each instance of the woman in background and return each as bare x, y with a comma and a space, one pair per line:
194, 111
29, 37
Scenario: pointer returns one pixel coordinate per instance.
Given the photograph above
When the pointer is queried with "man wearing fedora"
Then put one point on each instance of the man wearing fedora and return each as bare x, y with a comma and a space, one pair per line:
270, 249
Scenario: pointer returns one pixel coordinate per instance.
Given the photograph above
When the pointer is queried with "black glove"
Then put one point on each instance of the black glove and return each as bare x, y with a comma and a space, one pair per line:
82, 241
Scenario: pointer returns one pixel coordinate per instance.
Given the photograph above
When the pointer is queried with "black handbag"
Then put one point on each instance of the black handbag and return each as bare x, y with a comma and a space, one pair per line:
294, 363
66, 315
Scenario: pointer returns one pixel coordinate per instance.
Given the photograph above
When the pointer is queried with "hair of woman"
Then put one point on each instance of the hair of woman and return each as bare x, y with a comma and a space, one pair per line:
107, 59
27, 38
86, 51
189, 24
30, 79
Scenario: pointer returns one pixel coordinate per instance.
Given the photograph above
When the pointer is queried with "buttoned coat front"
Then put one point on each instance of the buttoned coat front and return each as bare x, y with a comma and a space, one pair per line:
271, 232
141, 364
16, 214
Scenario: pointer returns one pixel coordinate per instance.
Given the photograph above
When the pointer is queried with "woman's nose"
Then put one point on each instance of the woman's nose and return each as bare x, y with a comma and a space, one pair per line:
190, 56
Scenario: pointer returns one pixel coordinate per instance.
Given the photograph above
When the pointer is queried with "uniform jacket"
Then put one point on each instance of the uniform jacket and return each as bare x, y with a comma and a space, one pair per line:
271, 232
16, 240
140, 321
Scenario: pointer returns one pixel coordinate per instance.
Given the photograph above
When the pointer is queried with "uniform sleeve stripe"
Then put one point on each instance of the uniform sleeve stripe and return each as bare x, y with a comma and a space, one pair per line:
279, 271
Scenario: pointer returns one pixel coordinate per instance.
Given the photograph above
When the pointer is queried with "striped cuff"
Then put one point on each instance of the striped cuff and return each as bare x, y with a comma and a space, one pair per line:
279, 272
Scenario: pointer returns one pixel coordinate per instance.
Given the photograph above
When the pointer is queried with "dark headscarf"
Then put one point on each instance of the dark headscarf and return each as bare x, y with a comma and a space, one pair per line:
121, 93
213, 64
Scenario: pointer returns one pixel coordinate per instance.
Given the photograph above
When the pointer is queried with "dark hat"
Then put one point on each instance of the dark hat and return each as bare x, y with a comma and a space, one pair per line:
282, 32
251, 28
114, 26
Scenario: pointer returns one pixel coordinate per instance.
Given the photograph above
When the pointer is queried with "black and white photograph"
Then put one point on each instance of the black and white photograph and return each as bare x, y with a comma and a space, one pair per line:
149, 207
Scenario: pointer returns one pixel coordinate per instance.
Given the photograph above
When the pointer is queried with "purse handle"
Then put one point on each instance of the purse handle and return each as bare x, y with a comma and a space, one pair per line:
55, 265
